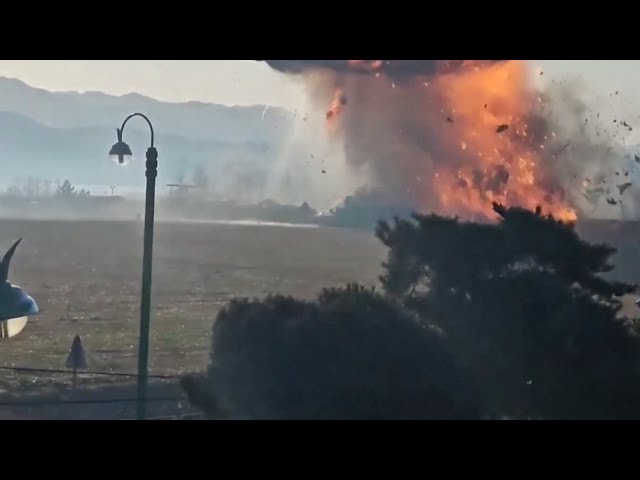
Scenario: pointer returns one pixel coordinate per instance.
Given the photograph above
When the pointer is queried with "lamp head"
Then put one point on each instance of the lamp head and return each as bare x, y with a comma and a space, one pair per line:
15, 305
120, 153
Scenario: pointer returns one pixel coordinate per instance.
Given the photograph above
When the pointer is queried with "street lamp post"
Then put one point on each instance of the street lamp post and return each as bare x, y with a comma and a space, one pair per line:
120, 150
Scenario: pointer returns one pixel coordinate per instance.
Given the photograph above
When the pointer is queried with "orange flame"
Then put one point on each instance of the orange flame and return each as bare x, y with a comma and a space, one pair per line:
337, 105
489, 107
491, 154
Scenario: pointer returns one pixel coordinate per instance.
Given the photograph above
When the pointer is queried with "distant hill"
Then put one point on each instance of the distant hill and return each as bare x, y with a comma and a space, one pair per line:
190, 120
58, 135
29, 148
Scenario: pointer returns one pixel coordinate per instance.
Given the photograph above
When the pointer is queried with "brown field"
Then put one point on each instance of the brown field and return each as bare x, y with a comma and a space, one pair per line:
85, 277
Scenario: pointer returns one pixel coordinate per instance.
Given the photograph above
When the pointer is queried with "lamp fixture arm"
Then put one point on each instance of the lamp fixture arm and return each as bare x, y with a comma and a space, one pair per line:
121, 129
6, 261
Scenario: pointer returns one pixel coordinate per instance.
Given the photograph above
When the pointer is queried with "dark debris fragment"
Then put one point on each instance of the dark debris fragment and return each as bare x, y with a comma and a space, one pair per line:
623, 187
562, 149
502, 128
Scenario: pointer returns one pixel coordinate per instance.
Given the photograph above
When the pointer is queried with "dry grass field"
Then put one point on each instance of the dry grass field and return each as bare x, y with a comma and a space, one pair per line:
85, 277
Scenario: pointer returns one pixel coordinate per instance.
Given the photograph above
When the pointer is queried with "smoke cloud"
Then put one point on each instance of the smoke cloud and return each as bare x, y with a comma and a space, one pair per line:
406, 129
396, 69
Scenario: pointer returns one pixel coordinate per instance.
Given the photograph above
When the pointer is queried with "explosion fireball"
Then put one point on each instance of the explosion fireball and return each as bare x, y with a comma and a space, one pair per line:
500, 159
444, 136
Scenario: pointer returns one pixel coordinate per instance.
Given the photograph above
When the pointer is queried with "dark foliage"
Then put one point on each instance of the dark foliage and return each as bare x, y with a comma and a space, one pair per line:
511, 319
524, 308
68, 190
202, 395
352, 354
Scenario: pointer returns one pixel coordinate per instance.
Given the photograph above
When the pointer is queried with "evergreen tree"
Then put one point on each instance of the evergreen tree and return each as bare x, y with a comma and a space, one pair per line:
523, 307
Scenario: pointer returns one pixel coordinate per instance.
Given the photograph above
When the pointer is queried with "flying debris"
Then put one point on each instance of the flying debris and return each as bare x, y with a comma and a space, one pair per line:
502, 128
562, 149
593, 194
611, 201
623, 187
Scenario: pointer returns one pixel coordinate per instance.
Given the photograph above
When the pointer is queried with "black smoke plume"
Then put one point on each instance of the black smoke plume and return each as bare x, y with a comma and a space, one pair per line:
393, 68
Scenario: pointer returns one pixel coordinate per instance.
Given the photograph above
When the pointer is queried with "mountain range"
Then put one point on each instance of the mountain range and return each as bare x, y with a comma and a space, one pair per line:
68, 134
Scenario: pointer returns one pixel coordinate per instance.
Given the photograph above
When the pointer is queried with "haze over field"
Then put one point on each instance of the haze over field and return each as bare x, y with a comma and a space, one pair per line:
242, 149
289, 149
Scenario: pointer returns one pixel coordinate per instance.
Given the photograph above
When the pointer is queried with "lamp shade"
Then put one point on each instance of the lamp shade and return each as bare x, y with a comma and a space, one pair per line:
120, 153
15, 304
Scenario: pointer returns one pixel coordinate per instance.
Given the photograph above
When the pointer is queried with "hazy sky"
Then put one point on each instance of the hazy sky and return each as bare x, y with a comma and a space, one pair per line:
250, 82
221, 81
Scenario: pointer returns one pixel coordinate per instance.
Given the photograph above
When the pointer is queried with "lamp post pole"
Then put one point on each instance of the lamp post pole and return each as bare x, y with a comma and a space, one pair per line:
120, 149
147, 261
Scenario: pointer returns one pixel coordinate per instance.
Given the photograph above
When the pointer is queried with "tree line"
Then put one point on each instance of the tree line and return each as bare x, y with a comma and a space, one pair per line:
33, 187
